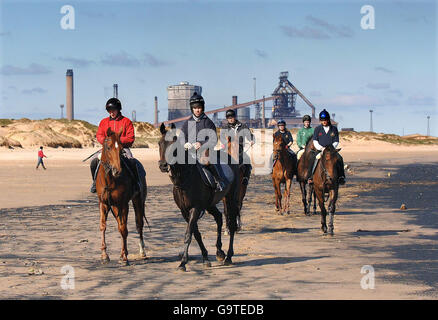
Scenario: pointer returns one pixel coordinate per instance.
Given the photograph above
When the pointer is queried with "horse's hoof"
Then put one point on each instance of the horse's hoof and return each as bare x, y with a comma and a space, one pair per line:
220, 256
104, 260
228, 262
124, 262
182, 268
324, 229
226, 233
207, 264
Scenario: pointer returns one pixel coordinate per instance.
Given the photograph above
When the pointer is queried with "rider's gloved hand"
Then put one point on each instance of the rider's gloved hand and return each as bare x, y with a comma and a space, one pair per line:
187, 145
197, 145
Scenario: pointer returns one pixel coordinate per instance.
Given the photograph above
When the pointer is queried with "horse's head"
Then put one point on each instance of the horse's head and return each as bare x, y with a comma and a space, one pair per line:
330, 162
163, 145
111, 151
279, 144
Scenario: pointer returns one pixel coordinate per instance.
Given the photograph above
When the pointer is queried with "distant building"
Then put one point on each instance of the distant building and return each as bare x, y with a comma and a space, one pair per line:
347, 129
178, 97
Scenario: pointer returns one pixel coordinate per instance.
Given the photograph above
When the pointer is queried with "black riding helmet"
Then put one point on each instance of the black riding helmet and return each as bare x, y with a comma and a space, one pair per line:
113, 104
324, 115
230, 113
197, 99
307, 118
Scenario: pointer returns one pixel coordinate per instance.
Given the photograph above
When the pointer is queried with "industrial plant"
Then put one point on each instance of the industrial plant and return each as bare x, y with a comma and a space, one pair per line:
282, 104
283, 100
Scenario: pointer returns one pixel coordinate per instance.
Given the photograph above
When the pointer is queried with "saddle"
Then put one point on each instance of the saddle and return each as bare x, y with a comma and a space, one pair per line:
207, 177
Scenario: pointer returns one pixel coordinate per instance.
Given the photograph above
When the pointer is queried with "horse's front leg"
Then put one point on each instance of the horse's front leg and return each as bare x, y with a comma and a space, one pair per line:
320, 196
204, 251
192, 221
231, 211
122, 221
287, 189
103, 217
303, 197
277, 188
220, 254
332, 208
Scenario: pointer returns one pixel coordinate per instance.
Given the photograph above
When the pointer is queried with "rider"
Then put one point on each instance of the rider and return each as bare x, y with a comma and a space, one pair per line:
324, 135
287, 138
304, 135
115, 121
200, 121
235, 126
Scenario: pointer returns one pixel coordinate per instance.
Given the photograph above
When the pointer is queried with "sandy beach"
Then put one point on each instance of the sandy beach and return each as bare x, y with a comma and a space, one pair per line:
48, 219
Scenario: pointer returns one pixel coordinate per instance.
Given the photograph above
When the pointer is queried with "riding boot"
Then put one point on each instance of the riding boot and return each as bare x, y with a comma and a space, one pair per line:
272, 161
220, 185
312, 167
341, 178
94, 166
246, 174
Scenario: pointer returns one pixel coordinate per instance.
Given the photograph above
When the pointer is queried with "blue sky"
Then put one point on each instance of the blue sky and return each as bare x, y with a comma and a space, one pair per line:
145, 46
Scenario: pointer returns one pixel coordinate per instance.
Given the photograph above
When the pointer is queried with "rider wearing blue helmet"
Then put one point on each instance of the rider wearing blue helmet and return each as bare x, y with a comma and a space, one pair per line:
327, 134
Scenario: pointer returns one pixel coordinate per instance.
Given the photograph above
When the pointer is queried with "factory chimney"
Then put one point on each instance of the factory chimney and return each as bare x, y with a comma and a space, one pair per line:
116, 90
234, 102
156, 112
69, 94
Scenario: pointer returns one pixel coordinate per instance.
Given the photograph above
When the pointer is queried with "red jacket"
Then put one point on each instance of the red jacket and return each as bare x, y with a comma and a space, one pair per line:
127, 138
41, 154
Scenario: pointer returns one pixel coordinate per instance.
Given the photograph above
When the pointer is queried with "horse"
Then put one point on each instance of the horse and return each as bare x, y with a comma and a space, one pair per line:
193, 197
325, 179
302, 176
115, 188
284, 169
233, 146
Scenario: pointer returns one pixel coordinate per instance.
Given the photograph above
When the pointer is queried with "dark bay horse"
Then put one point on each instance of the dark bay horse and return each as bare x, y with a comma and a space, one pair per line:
325, 180
234, 146
193, 197
115, 188
285, 167
302, 176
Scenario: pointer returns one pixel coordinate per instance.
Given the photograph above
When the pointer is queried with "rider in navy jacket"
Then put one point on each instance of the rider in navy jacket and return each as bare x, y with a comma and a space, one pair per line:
324, 135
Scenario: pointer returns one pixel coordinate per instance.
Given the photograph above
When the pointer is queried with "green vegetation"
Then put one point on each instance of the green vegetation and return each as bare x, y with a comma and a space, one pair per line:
5, 122
390, 138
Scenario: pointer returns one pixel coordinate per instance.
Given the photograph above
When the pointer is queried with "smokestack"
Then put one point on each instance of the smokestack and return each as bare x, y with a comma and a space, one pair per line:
69, 94
156, 112
234, 100
116, 90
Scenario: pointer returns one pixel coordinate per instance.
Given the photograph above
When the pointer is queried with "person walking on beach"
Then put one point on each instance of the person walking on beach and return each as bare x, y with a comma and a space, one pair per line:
41, 155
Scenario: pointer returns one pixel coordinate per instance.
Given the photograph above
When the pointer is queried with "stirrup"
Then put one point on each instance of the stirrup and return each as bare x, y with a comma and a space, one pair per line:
220, 186
341, 180
245, 181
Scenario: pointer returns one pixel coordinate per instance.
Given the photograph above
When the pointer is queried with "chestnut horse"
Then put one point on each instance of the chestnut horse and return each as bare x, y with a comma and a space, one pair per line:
325, 179
115, 188
303, 175
193, 197
284, 169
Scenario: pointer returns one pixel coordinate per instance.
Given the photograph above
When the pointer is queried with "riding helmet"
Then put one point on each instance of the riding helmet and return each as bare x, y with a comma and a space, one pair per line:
307, 118
196, 99
230, 113
112, 104
324, 115
281, 122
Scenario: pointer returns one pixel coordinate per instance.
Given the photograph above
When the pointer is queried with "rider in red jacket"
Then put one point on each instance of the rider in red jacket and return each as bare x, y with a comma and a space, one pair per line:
115, 121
